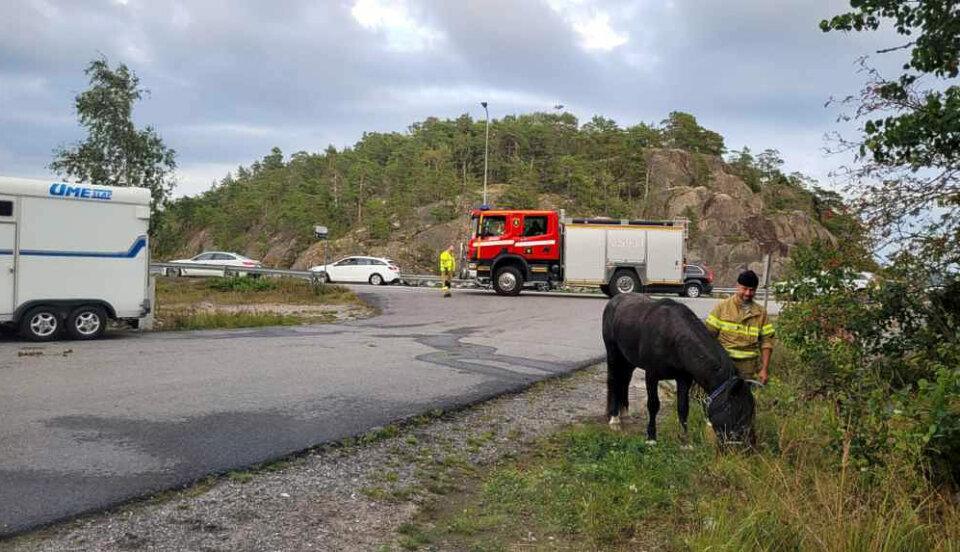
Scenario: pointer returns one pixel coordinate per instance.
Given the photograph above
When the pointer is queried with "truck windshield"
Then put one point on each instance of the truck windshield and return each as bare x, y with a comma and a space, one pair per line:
491, 226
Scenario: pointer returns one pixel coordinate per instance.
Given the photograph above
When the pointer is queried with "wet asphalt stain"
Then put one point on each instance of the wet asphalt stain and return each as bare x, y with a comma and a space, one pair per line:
469, 358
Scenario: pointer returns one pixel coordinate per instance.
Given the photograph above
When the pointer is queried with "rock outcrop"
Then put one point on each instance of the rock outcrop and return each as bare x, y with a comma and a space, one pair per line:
731, 226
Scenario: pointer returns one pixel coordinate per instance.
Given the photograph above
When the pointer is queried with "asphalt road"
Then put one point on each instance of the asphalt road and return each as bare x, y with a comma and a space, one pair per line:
86, 425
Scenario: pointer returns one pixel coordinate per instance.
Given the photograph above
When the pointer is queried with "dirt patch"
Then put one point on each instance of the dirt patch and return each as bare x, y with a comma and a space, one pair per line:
352, 496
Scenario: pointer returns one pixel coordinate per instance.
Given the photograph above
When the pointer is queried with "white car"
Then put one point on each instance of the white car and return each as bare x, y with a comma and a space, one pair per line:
217, 260
855, 281
374, 270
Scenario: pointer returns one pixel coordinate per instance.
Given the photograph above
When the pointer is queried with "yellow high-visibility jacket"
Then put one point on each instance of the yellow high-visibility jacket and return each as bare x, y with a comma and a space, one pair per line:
742, 332
447, 262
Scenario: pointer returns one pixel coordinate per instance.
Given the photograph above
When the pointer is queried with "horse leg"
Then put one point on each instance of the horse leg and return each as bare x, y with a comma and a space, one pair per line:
619, 373
653, 406
683, 407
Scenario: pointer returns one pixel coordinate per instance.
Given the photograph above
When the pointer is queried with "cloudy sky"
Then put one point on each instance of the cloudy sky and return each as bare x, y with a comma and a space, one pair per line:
229, 79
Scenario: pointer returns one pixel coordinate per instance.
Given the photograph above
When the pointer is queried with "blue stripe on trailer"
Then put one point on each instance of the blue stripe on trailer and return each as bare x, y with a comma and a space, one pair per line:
138, 245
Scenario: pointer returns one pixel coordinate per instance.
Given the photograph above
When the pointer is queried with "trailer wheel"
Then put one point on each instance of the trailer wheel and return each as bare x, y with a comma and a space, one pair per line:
40, 324
87, 322
624, 281
508, 281
692, 290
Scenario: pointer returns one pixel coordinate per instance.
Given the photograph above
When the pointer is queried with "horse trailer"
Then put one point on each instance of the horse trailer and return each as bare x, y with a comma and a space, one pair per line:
72, 257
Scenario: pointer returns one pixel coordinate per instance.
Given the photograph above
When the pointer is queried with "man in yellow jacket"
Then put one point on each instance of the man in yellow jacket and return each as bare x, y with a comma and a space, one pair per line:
448, 265
742, 328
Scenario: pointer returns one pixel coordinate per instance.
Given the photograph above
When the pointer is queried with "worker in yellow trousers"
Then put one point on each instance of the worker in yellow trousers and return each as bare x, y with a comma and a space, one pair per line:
448, 266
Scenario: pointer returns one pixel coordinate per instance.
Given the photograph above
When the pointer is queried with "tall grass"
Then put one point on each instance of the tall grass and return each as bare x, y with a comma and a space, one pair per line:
588, 488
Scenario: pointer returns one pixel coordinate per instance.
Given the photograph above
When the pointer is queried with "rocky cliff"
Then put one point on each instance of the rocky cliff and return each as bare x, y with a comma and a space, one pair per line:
731, 226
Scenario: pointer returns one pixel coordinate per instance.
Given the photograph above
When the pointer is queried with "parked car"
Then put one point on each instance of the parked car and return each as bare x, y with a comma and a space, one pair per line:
217, 260
697, 280
854, 281
373, 270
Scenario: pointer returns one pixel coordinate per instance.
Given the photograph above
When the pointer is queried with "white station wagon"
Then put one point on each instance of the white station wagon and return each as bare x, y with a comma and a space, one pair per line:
373, 270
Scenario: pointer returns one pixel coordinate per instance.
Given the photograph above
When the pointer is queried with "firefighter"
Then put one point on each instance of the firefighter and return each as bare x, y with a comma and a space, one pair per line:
743, 329
448, 266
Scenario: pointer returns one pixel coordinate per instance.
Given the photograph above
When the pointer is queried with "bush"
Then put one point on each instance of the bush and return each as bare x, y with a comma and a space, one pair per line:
889, 357
242, 284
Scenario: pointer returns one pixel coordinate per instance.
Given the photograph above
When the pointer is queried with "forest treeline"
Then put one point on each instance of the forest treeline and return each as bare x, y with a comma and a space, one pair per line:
594, 168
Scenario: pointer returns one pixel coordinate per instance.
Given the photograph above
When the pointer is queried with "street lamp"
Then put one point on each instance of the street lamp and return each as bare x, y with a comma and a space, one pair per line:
486, 150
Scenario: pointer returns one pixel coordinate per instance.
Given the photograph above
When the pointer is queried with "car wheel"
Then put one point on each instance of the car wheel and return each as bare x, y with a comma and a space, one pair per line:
40, 324
87, 322
376, 280
508, 281
692, 290
624, 281
174, 272
323, 277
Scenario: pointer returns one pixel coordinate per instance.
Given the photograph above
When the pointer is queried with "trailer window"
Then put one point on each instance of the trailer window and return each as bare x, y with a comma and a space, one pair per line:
534, 226
6, 208
493, 226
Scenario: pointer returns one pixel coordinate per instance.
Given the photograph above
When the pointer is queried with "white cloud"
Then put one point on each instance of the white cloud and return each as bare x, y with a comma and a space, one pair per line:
394, 21
194, 178
597, 34
591, 23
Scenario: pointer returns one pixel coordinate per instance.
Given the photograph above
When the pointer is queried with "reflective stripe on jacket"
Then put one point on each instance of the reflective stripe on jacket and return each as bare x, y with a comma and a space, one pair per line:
742, 332
447, 262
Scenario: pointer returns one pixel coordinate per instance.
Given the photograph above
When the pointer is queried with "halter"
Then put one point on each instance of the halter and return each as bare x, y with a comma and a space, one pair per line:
716, 392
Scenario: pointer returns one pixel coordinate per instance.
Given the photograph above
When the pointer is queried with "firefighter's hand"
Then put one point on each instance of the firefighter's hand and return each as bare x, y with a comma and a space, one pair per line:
763, 376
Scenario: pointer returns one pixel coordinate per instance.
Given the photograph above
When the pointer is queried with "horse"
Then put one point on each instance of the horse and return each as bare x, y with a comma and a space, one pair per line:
669, 342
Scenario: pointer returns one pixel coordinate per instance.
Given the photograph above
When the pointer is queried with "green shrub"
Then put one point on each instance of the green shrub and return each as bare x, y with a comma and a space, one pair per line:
888, 356
242, 284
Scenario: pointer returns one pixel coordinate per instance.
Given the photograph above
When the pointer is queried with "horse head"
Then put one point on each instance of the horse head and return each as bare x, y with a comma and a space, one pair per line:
731, 412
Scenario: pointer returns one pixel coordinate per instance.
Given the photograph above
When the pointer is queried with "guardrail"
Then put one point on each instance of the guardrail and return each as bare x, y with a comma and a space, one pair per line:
405, 279
168, 269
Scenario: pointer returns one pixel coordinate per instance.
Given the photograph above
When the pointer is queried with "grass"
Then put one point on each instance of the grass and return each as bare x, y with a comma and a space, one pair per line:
245, 291
588, 488
207, 303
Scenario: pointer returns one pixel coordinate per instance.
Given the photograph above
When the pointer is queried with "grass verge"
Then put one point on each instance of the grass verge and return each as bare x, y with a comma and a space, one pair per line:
243, 302
587, 488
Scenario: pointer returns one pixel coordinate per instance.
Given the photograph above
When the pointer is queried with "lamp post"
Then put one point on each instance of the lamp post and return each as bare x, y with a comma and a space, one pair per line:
486, 150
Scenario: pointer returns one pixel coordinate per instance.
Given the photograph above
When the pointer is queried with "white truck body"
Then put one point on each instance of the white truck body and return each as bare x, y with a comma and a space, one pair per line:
70, 244
595, 248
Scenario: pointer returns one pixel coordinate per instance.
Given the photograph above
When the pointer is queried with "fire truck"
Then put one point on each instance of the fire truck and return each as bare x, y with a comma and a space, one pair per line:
513, 249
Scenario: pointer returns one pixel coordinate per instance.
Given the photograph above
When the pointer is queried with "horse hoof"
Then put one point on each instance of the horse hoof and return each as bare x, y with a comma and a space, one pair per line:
686, 447
651, 442
615, 423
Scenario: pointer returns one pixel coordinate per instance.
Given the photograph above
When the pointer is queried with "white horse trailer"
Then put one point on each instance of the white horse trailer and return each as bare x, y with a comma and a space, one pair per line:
72, 256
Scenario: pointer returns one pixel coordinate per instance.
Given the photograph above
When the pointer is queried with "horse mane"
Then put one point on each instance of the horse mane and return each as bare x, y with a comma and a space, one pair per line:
700, 348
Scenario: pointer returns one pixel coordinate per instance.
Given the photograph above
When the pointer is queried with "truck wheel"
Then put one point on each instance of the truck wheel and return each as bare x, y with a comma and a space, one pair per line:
624, 281
605, 288
87, 322
692, 290
508, 281
40, 324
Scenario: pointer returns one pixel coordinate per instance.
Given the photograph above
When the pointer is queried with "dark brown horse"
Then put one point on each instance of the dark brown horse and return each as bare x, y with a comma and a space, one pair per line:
669, 342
